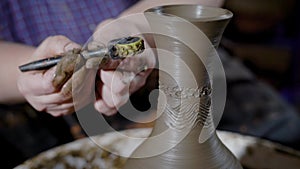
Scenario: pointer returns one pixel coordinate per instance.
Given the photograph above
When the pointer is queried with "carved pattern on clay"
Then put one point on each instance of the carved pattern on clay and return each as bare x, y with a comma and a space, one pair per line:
193, 108
180, 93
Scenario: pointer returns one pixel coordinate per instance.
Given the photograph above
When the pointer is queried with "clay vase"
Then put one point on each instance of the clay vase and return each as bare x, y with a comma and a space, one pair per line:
184, 101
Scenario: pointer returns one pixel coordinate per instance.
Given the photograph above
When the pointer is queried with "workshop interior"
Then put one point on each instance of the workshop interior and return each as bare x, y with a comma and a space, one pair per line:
259, 48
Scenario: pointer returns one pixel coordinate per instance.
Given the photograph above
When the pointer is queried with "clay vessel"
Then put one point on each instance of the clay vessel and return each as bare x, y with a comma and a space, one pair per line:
184, 102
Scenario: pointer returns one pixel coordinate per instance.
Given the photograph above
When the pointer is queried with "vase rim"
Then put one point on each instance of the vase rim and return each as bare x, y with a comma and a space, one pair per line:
192, 12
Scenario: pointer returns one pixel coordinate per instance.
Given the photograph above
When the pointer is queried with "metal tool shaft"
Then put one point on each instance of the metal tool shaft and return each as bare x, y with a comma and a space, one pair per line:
40, 64
117, 49
49, 62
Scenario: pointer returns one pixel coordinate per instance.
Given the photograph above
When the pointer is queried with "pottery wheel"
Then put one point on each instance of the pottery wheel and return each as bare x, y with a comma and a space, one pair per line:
253, 153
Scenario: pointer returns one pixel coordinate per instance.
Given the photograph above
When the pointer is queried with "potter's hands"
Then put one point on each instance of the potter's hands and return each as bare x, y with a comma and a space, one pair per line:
37, 86
115, 87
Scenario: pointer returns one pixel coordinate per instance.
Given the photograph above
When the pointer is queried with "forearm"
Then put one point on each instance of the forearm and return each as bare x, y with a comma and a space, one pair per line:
11, 56
146, 4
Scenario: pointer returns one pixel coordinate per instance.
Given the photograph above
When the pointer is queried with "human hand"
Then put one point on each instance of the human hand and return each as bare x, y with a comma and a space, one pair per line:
115, 86
37, 86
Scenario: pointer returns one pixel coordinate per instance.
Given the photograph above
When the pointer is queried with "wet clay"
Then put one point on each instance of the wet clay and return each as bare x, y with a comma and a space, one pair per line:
184, 102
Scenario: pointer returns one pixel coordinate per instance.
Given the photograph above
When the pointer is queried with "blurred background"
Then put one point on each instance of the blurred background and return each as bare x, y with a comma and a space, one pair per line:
264, 36
260, 51
261, 57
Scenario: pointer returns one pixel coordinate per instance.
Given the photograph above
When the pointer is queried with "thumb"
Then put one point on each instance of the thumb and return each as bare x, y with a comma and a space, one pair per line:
54, 45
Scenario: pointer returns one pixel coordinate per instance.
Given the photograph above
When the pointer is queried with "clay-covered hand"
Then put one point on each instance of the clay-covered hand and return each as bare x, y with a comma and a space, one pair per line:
37, 86
115, 87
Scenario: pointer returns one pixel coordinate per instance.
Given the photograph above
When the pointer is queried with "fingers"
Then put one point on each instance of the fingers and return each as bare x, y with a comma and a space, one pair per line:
37, 83
59, 110
113, 100
36, 86
118, 85
54, 98
40, 82
54, 45
102, 107
113, 93
138, 82
113, 80
55, 104
116, 88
